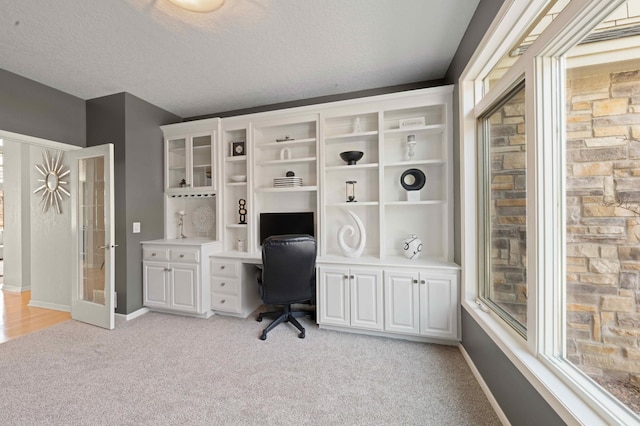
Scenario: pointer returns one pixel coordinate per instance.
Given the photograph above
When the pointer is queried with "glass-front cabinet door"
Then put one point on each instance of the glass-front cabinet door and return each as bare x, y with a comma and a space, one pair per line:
189, 162
202, 161
176, 163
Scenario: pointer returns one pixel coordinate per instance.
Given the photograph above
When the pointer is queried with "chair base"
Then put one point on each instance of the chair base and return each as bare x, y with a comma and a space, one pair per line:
284, 315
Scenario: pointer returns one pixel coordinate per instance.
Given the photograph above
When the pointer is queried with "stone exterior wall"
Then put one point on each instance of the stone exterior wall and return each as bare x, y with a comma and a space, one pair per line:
508, 202
603, 225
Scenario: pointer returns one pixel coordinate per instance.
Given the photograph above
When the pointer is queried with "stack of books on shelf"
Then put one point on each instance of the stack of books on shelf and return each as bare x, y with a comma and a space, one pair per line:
284, 182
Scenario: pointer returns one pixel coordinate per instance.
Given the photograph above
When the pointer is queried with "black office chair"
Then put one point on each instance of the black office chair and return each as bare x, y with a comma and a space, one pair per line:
288, 276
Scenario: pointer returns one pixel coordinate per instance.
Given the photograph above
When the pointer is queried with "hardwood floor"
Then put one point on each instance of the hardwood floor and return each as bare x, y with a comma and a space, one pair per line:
17, 318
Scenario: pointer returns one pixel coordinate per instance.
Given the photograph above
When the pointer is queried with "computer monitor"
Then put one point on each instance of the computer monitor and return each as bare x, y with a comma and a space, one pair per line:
285, 223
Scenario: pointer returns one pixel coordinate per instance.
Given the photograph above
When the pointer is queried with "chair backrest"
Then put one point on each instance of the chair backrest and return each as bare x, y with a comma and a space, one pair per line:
288, 269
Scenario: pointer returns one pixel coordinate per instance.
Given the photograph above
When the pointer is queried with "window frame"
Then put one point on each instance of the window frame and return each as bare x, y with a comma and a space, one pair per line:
484, 217
540, 357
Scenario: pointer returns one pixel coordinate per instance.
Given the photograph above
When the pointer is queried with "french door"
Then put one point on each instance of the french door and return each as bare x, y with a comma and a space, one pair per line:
93, 229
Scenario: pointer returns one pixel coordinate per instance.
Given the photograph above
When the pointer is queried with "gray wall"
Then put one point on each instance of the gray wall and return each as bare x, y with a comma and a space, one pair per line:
324, 99
145, 186
520, 402
132, 126
30, 108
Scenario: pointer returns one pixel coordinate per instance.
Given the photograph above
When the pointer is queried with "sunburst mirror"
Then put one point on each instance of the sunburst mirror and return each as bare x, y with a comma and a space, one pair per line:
52, 171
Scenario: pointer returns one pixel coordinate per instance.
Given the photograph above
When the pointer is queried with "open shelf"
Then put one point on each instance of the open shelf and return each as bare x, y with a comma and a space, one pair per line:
289, 189
287, 161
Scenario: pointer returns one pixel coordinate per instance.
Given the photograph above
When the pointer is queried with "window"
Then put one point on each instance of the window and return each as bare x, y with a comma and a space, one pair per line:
574, 292
553, 9
602, 204
503, 174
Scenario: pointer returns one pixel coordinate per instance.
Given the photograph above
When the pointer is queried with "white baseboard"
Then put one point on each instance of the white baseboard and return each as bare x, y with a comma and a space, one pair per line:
47, 305
14, 289
484, 387
132, 315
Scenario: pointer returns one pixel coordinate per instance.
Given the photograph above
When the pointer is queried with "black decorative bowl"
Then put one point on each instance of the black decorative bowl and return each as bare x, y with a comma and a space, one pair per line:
351, 156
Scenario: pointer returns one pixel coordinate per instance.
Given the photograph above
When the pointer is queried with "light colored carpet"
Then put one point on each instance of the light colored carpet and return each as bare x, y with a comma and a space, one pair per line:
166, 369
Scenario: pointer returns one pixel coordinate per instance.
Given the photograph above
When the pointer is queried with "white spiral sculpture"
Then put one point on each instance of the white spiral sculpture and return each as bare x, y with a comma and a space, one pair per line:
344, 229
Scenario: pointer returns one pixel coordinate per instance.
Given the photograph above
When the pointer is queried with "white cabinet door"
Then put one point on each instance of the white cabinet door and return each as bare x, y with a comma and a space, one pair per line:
401, 297
438, 304
155, 281
184, 287
366, 299
333, 296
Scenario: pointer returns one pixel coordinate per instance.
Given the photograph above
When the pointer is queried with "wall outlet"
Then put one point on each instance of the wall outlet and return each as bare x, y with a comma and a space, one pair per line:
136, 227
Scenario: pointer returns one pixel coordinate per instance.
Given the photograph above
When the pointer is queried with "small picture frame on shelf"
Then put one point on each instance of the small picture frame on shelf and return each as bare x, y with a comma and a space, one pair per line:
408, 123
237, 148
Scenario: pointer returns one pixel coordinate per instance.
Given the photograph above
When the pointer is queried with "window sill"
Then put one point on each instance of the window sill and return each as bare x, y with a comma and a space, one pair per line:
562, 398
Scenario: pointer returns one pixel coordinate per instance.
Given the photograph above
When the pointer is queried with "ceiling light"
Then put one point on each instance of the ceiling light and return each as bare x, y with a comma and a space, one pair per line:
199, 5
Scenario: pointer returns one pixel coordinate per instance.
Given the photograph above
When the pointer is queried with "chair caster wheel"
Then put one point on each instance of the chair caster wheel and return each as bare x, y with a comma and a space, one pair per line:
301, 335
259, 319
263, 336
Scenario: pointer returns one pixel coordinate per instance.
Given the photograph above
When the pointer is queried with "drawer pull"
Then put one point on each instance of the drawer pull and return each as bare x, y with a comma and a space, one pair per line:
182, 255
222, 301
167, 269
153, 254
222, 284
222, 267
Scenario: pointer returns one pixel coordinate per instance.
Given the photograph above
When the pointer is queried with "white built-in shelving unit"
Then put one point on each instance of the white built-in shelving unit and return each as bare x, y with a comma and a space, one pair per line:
380, 291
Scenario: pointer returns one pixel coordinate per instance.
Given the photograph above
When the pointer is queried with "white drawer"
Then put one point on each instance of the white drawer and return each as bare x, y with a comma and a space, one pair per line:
225, 302
184, 255
225, 285
225, 269
155, 253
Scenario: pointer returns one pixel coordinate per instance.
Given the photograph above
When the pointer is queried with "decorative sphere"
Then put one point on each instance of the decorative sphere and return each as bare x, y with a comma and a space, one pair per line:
412, 247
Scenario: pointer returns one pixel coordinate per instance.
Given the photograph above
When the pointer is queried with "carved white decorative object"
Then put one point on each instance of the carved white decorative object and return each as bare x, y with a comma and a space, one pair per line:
52, 171
344, 229
285, 154
203, 219
411, 143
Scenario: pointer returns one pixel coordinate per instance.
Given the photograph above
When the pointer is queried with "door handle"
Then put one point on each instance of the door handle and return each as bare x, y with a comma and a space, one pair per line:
107, 247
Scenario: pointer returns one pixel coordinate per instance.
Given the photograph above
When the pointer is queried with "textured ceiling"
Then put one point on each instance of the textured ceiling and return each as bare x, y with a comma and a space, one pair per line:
248, 53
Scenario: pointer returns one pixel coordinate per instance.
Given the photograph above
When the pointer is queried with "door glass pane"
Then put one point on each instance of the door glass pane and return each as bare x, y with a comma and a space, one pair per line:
177, 163
91, 219
505, 219
602, 204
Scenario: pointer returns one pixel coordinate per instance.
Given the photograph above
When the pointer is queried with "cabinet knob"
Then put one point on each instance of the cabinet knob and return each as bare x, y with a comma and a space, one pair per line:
153, 254
167, 269
222, 267
222, 284
346, 277
351, 277
422, 282
415, 281
182, 255
222, 301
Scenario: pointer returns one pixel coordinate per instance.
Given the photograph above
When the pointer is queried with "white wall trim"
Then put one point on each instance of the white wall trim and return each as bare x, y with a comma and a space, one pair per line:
17, 137
14, 289
132, 315
484, 387
47, 305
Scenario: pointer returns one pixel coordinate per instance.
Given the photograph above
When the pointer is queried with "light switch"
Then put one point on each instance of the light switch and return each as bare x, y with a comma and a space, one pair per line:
136, 227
